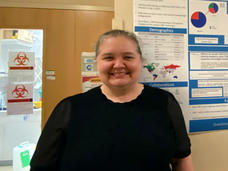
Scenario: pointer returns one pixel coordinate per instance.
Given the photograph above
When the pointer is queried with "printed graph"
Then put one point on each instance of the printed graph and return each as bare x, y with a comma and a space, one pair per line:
199, 19
213, 8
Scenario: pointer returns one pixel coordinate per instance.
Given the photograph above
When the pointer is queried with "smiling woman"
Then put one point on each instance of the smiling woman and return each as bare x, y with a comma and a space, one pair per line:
120, 125
119, 66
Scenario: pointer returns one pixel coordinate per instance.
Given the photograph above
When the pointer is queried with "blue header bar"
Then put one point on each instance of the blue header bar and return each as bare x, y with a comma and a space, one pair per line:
208, 101
208, 48
160, 30
208, 124
167, 84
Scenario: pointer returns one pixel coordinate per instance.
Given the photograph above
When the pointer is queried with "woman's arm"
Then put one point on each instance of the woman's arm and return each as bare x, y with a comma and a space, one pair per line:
182, 159
183, 164
51, 143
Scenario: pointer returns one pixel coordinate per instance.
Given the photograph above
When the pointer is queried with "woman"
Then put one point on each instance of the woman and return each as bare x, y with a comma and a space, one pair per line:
121, 125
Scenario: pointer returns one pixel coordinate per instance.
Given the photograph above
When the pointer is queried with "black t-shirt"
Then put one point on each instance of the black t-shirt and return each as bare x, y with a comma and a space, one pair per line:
88, 131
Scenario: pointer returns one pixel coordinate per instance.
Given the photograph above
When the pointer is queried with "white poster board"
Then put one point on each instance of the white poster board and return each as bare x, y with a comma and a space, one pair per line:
185, 46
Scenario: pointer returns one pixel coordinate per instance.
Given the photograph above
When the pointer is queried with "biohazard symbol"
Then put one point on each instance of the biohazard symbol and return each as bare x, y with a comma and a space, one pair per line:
20, 91
21, 59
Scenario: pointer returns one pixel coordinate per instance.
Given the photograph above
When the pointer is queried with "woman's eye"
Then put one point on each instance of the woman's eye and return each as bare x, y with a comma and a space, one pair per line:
128, 57
108, 58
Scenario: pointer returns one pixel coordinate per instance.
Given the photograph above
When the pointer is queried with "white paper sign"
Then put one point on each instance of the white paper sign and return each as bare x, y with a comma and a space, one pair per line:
20, 99
21, 66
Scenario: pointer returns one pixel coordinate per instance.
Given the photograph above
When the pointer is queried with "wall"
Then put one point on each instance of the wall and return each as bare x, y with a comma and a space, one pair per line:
209, 150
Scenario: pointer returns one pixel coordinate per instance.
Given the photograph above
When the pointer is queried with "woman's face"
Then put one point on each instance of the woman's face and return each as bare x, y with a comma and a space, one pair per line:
118, 62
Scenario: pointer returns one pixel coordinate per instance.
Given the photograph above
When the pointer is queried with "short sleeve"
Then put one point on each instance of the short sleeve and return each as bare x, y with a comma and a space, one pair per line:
50, 145
178, 124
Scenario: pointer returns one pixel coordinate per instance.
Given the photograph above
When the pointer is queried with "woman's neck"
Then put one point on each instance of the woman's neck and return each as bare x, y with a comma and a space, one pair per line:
122, 94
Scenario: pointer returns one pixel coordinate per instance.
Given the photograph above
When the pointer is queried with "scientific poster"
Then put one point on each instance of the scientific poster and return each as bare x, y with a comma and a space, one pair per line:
185, 50
208, 65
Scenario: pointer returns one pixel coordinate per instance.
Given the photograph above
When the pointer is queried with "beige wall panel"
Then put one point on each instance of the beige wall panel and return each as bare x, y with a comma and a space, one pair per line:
123, 10
209, 150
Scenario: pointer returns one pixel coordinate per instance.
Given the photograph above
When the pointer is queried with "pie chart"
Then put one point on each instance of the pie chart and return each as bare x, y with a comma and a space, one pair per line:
213, 8
198, 19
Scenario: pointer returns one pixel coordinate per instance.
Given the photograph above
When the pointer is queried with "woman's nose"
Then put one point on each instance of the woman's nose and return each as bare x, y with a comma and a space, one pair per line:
118, 62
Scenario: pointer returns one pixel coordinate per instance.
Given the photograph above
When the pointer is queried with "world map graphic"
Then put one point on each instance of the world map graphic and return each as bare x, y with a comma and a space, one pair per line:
156, 70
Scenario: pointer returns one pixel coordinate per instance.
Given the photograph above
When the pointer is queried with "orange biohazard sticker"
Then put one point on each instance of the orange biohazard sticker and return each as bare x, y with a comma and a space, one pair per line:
21, 59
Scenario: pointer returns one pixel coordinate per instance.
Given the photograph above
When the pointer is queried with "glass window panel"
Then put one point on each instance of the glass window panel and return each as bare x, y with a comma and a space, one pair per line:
19, 128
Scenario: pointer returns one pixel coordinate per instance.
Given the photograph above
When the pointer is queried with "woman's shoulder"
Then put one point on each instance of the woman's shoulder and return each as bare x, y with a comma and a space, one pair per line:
81, 97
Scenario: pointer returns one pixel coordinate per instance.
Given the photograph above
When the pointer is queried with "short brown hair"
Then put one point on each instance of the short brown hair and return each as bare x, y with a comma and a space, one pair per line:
115, 33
